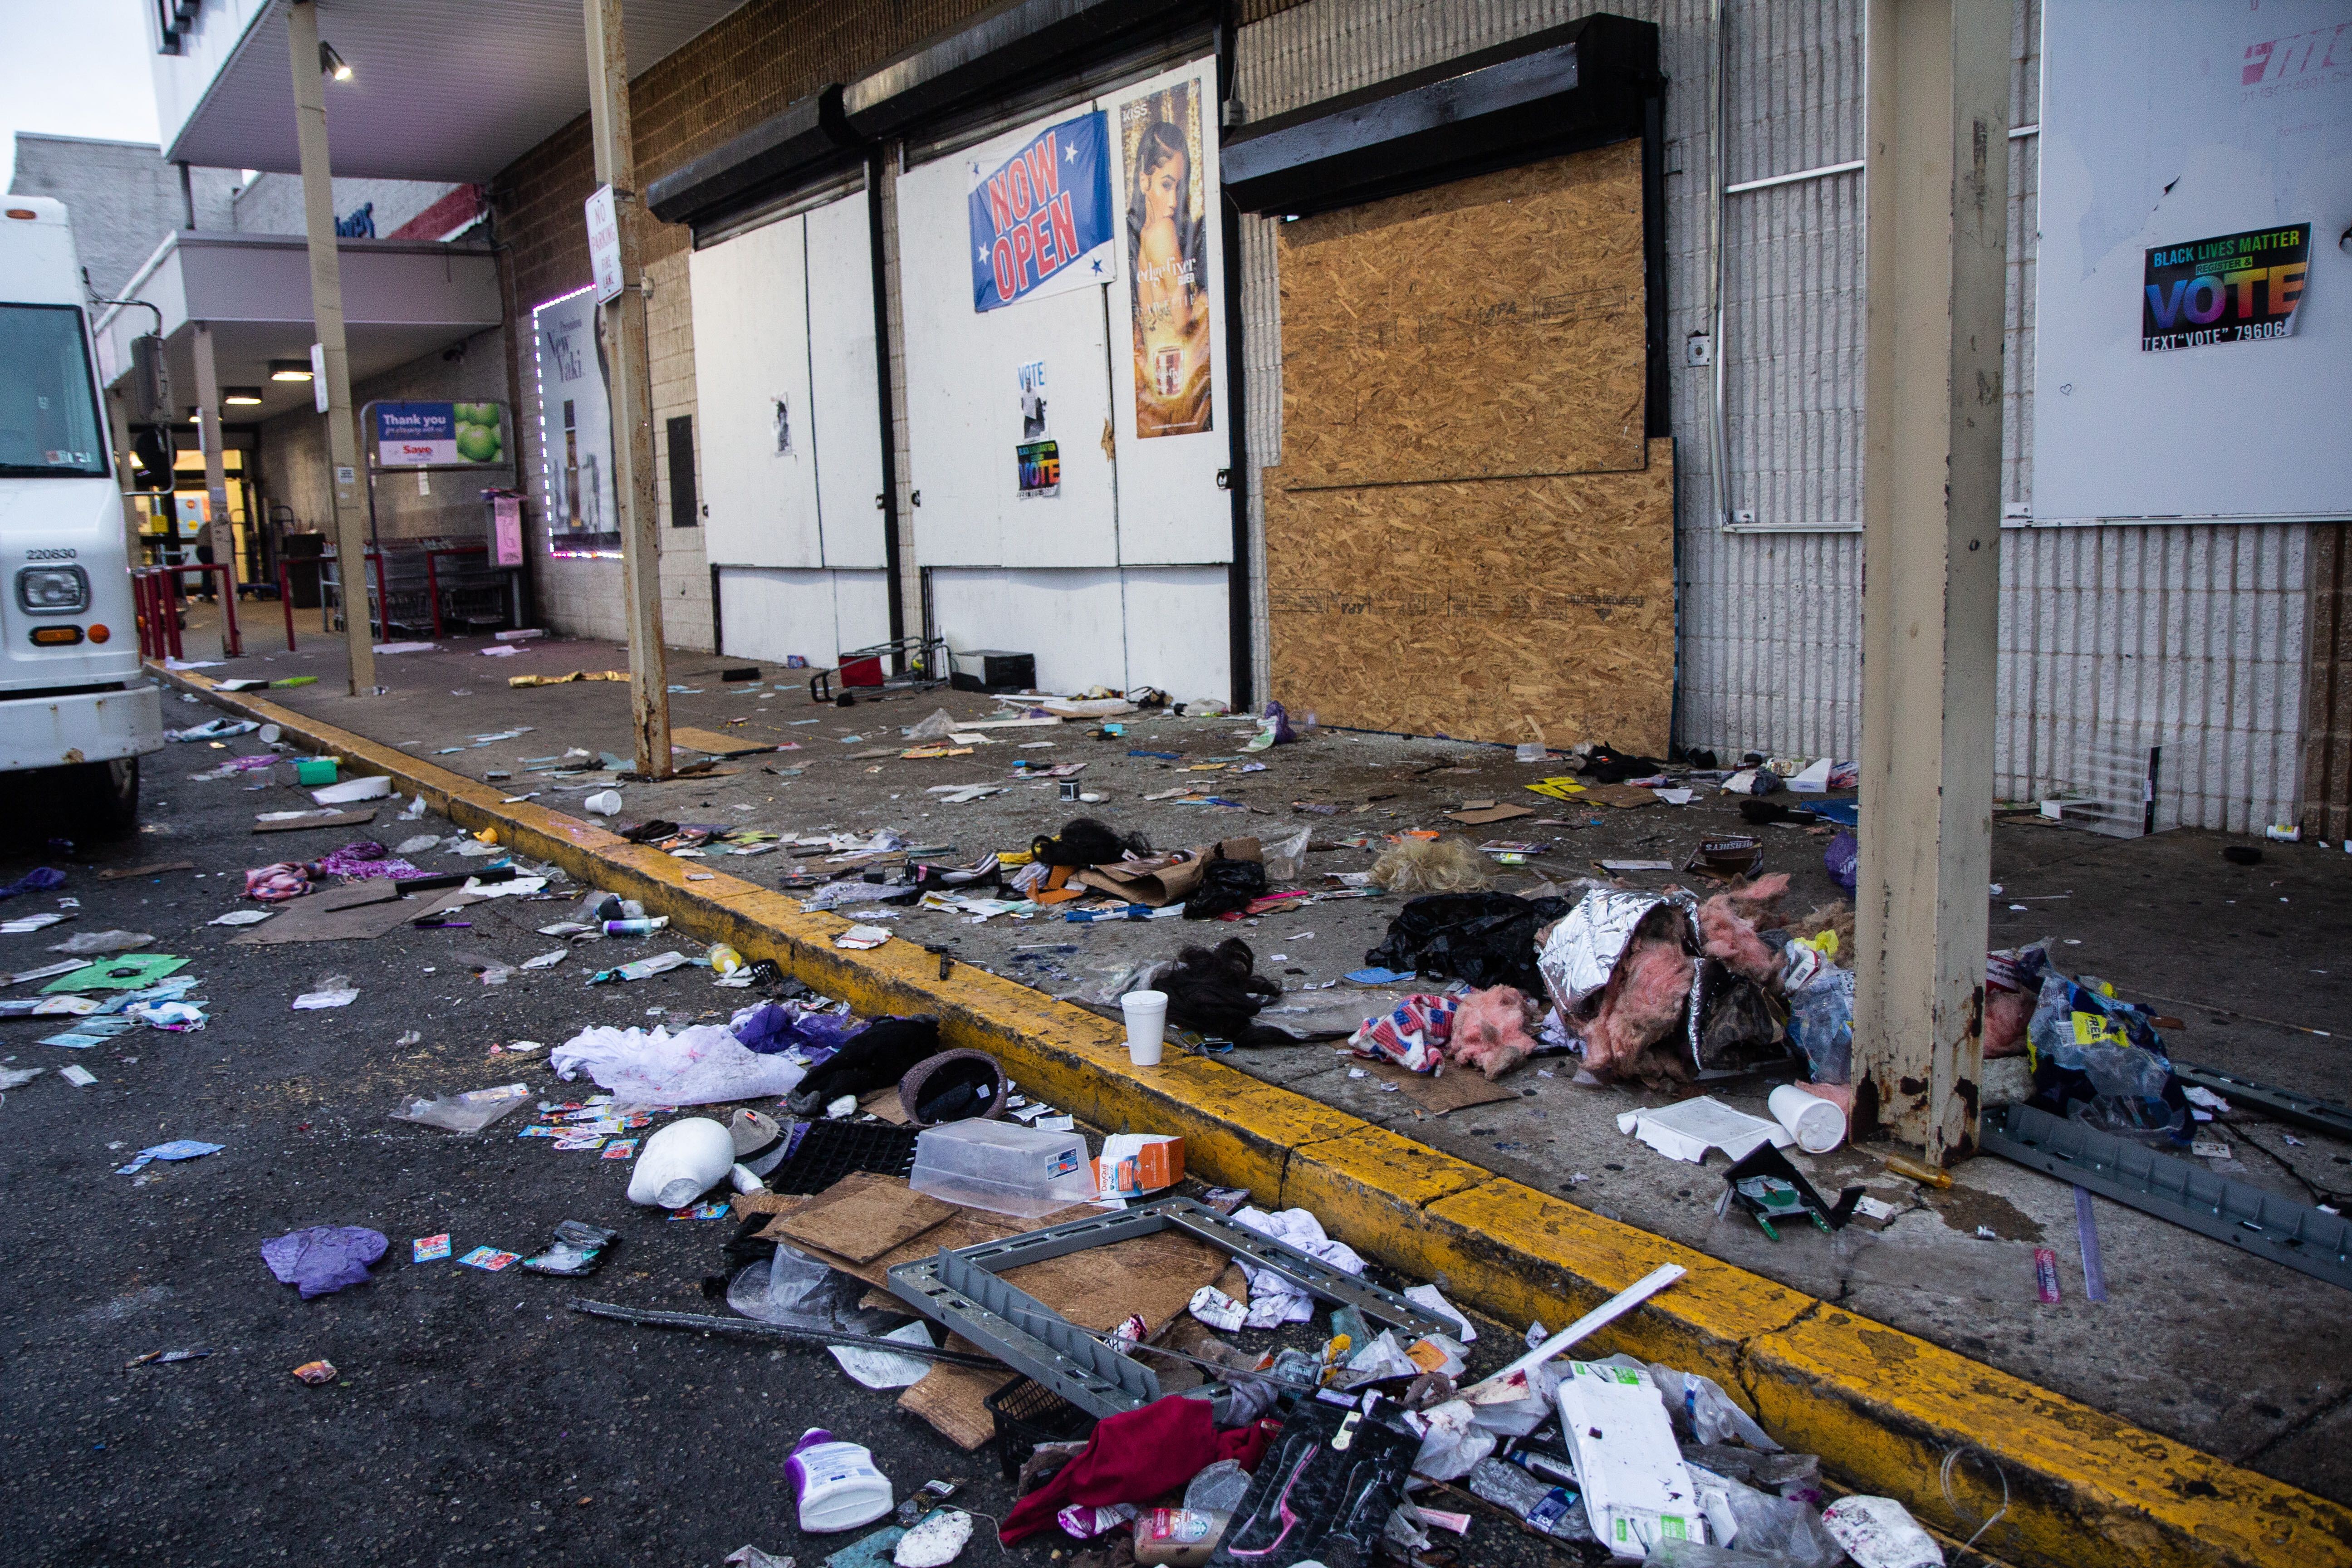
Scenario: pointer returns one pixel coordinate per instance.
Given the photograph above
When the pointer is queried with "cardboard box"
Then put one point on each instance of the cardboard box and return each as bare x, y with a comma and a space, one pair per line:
1133, 1163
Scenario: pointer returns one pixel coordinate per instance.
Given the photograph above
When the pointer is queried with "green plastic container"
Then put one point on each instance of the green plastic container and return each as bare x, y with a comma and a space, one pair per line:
315, 770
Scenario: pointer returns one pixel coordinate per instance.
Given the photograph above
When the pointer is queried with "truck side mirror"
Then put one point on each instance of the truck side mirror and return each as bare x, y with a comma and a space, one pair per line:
152, 451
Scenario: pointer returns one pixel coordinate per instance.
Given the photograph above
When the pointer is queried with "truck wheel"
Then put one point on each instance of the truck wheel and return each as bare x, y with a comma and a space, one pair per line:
107, 797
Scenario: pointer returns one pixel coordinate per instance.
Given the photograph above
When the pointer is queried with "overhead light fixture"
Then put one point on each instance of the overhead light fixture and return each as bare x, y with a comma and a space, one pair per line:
330, 63
241, 396
289, 370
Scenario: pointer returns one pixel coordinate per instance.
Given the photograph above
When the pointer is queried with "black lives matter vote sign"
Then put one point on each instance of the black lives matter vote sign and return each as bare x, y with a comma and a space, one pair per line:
2232, 288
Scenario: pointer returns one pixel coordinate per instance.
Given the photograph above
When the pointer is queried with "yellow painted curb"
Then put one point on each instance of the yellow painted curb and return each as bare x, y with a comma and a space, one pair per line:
1881, 1406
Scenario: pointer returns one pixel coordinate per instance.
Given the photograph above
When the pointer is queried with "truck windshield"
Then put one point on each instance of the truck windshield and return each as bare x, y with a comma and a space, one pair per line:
49, 417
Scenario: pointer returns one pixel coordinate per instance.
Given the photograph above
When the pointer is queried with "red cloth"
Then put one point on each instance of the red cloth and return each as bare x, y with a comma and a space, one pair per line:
1136, 1456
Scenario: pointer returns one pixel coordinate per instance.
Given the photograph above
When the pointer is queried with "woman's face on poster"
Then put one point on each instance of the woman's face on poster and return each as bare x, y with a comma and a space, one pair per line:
1163, 184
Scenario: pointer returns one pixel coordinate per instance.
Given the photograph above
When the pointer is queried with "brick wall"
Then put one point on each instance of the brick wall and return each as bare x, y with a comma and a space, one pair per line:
293, 455
722, 83
669, 349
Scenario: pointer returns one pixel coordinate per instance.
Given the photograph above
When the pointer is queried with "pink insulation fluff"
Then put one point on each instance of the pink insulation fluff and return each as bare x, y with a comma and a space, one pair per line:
2006, 1015
1731, 936
1647, 992
1492, 1030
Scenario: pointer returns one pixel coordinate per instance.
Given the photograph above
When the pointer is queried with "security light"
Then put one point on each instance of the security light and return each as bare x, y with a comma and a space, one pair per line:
330, 63
241, 396
289, 370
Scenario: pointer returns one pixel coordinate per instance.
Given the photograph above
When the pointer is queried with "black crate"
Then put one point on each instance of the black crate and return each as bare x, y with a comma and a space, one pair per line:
829, 1150
1028, 1413
999, 671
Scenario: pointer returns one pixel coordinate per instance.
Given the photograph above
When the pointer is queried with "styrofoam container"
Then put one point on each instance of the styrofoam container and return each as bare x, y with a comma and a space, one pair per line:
1817, 1124
1002, 1168
681, 1162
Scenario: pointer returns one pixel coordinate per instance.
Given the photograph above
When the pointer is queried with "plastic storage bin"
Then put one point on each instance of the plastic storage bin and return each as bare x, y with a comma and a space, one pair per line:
1002, 1168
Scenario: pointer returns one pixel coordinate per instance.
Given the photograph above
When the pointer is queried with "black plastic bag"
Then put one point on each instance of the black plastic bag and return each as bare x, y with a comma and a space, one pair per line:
1486, 939
1226, 885
1324, 1492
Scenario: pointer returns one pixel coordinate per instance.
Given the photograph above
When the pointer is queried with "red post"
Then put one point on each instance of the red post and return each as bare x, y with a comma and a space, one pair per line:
171, 618
139, 611
286, 601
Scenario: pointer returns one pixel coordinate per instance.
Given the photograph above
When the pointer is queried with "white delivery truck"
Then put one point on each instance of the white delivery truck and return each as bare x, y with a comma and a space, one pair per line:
74, 702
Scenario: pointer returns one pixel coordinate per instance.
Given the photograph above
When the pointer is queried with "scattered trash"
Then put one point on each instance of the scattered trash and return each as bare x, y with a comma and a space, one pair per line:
429, 1248
937, 1538
576, 1250
333, 991
835, 1483
78, 1075
467, 1112
1881, 1533
323, 1259
316, 1372
862, 937
177, 1149
166, 1358
489, 1259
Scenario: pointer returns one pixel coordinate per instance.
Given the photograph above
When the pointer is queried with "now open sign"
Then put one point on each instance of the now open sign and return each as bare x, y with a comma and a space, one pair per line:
1040, 221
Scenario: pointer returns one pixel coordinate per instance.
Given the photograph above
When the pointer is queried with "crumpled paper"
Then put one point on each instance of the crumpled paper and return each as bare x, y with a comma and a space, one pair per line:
1275, 1300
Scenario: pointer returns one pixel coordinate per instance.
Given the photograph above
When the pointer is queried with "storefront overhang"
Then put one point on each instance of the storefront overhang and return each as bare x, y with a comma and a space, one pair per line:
1001, 54
439, 89
810, 140
401, 300
1582, 85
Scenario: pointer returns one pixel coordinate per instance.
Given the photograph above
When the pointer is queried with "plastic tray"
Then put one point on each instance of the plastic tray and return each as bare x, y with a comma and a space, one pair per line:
829, 1150
1028, 1413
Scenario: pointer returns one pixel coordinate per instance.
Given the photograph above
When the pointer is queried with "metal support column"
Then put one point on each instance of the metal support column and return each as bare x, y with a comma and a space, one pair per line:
632, 392
327, 310
219, 532
1935, 242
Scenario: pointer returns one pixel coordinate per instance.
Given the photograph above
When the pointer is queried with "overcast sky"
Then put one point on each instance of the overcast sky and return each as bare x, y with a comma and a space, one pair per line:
74, 67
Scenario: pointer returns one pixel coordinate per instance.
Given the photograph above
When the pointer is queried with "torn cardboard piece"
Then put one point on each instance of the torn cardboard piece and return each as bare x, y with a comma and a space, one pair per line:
864, 1215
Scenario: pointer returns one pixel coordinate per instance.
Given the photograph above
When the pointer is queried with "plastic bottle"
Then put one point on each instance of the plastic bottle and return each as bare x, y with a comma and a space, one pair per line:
724, 960
1179, 1536
643, 927
836, 1483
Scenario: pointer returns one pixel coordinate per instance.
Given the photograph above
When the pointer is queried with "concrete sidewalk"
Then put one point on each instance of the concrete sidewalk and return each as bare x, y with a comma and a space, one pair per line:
2196, 1343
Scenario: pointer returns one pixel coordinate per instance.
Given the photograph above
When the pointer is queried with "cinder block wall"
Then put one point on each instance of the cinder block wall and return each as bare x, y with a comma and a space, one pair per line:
724, 81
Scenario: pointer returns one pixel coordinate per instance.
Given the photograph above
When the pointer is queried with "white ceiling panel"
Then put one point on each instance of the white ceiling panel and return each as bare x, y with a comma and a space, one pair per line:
440, 89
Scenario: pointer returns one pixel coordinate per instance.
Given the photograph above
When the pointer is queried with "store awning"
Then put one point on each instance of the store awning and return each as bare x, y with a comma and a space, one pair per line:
439, 89
401, 300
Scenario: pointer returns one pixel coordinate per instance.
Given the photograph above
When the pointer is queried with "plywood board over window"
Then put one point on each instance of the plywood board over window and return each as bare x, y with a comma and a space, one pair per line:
1488, 327
1469, 534
1487, 609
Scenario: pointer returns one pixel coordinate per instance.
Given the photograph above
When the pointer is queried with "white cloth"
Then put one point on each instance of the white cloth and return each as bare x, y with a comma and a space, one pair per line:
703, 1065
1275, 1300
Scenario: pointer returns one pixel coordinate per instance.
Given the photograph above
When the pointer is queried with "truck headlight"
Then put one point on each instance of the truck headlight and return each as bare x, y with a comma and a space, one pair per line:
53, 590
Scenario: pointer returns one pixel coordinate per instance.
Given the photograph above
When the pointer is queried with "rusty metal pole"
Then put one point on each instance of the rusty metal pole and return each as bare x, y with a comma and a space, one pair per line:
631, 392
327, 311
1935, 242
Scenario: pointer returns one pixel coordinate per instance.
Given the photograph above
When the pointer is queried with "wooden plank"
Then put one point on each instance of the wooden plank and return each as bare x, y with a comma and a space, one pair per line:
1493, 326
1496, 610
713, 744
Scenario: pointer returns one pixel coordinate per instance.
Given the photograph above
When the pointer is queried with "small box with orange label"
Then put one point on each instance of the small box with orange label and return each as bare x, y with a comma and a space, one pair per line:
1134, 1163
